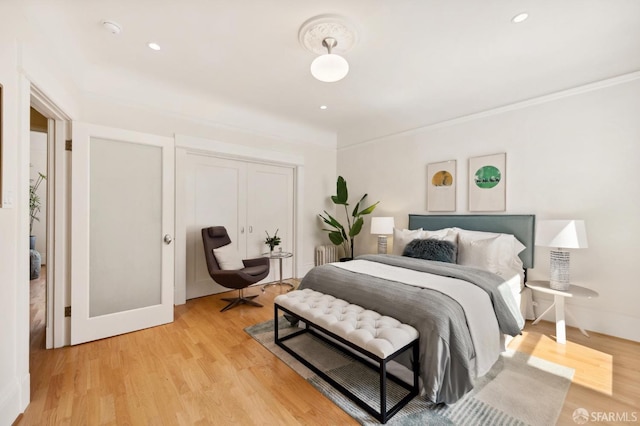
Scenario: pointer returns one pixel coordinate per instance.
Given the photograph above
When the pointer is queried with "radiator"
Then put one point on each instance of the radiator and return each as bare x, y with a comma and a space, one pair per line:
326, 254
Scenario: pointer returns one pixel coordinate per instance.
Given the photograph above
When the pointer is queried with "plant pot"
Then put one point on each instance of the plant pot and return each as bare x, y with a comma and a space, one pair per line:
35, 263
32, 242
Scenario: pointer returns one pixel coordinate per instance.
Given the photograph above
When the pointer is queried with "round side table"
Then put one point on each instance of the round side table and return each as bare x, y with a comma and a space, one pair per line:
280, 255
558, 302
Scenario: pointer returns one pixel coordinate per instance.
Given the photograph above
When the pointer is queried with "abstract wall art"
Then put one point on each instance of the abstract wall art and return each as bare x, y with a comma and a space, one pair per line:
441, 186
487, 183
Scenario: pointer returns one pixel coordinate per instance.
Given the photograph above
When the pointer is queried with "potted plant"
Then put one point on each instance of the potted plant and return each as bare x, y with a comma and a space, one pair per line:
345, 235
34, 207
272, 241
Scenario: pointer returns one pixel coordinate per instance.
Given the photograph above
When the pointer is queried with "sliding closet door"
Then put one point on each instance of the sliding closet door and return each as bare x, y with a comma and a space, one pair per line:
216, 196
246, 198
270, 208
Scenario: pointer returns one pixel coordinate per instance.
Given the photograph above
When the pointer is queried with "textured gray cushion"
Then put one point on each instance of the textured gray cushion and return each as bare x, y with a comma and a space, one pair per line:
430, 249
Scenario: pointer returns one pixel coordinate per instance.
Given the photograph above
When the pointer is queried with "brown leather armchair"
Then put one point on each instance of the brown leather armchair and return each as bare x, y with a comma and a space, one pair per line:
254, 269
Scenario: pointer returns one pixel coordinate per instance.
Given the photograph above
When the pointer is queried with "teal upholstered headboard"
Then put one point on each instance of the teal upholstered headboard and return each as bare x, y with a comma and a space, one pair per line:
520, 225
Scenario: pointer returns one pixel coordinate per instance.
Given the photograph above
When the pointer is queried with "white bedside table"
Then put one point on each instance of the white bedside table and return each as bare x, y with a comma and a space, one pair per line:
558, 302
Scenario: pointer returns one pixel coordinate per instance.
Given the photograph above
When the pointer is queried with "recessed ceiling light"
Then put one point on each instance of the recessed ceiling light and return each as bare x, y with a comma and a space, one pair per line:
153, 46
323, 107
520, 17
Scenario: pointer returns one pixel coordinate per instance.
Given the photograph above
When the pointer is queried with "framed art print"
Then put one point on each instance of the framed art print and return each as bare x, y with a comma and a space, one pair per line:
487, 183
441, 186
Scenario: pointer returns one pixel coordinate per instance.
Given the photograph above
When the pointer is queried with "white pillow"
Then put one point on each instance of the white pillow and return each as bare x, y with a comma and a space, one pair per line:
511, 242
446, 234
402, 237
499, 251
479, 253
228, 258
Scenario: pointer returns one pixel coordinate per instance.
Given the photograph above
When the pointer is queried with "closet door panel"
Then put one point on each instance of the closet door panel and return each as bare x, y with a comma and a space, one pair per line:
270, 208
216, 196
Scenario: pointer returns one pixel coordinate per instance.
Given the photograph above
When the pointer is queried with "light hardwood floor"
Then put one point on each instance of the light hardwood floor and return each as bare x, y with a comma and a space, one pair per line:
204, 369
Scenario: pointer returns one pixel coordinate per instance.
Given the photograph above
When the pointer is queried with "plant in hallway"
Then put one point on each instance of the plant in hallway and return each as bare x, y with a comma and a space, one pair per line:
34, 201
345, 235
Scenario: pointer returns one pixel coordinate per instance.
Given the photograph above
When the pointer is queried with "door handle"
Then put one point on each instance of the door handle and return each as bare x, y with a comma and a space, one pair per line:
242, 230
167, 239
250, 229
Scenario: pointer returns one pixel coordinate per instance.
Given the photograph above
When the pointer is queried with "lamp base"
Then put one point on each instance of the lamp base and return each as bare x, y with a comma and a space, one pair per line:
382, 244
559, 270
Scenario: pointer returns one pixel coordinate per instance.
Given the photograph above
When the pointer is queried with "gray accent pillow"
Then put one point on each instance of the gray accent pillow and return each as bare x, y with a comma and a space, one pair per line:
431, 249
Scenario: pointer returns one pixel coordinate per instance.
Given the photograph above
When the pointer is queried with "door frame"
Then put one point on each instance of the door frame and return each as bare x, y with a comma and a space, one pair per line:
201, 146
57, 326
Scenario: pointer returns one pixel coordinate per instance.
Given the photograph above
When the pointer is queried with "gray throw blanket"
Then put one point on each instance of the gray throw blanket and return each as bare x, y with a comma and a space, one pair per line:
446, 348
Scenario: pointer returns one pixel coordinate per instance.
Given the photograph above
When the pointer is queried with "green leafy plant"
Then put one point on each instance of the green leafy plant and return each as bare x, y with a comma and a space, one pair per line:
34, 201
345, 235
272, 241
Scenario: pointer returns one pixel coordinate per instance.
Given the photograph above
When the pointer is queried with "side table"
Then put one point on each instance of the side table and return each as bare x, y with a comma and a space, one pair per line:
558, 302
280, 255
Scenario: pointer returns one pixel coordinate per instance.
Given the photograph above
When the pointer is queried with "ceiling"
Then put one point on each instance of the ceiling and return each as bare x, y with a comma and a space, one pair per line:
415, 63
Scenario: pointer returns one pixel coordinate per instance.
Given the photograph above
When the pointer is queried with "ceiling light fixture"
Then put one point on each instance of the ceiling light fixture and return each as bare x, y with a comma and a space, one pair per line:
153, 46
521, 17
329, 67
323, 107
325, 35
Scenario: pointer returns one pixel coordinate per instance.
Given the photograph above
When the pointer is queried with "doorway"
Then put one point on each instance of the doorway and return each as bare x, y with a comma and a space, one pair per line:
49, 127
38, 229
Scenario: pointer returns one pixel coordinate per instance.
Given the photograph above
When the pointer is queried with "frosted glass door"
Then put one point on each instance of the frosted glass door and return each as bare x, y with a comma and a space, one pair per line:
124, 243
122, 270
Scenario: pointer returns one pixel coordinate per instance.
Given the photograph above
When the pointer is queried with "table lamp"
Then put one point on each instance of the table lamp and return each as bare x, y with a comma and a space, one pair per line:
382, 226
561, 234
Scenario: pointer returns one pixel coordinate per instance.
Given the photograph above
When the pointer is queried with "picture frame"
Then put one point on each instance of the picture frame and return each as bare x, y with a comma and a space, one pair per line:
487, 183
441, 186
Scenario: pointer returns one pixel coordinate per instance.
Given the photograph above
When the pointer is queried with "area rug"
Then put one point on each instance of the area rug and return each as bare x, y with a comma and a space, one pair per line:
520, 389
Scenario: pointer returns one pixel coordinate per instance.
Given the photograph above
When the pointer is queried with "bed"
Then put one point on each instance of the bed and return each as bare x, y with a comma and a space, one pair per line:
462, 311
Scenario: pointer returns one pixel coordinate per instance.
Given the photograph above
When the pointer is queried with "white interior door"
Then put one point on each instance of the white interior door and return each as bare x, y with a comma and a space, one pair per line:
122, 256
215, 196
270, 209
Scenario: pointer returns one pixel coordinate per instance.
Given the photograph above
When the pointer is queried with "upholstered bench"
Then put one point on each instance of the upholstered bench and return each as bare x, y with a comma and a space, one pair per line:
377, 339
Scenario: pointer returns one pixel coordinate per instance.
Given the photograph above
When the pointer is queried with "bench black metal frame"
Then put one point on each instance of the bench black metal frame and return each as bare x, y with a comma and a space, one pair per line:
383, 415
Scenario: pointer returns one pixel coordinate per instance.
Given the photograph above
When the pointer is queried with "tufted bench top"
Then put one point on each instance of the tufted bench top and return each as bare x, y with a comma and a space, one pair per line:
378, 334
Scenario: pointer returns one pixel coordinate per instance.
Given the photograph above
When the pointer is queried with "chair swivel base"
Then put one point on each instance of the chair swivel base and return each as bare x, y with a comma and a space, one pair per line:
241, 299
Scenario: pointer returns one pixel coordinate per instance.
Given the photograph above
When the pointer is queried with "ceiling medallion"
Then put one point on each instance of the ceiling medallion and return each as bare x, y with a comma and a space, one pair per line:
326, 36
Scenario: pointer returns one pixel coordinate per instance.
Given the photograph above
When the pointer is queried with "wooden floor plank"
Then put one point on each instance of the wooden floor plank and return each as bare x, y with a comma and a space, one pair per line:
204, 369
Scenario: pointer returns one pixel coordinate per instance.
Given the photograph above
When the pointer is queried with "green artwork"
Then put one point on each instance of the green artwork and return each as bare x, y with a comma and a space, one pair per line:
487, 177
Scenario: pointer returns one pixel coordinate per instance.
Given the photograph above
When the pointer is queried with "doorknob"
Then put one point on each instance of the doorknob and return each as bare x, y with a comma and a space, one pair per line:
168, 239
250, 229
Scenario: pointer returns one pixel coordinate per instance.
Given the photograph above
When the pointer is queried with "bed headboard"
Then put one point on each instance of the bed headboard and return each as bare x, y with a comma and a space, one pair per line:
522, 226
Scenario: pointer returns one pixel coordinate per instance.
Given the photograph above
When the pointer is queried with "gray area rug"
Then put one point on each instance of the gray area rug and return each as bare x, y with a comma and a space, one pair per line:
520, 389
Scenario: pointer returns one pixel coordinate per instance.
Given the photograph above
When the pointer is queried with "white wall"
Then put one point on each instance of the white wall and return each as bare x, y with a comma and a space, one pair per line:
572, 156
14, 303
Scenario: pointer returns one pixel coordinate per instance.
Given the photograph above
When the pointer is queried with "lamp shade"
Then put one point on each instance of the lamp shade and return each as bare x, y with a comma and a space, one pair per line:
561, 234
329, 68
382, 225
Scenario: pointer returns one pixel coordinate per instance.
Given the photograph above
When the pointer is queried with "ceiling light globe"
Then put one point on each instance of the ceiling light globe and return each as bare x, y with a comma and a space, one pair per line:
329, 68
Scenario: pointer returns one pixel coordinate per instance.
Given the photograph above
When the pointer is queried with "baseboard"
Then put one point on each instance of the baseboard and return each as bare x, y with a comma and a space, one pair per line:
609, 323
10, 408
